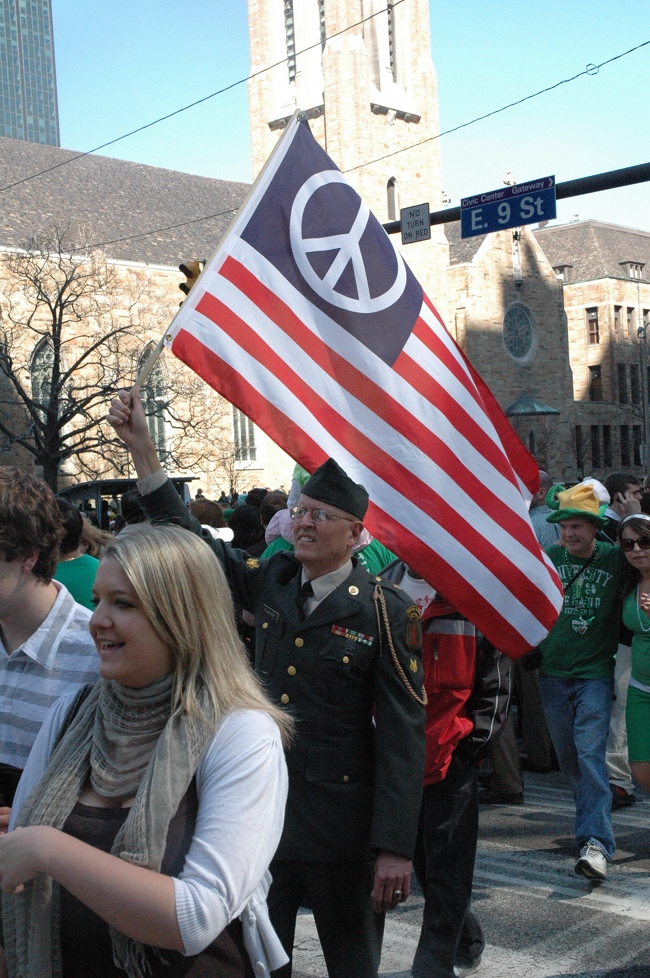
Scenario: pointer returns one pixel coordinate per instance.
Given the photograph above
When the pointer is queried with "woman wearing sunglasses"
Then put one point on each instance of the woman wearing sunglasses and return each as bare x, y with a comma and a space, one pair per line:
634, 534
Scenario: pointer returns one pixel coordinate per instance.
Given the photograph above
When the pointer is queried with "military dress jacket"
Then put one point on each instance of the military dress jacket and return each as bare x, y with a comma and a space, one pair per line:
357, 759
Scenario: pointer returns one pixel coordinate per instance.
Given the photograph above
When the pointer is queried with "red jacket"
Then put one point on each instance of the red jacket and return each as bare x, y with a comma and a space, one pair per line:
468, 685
449, 660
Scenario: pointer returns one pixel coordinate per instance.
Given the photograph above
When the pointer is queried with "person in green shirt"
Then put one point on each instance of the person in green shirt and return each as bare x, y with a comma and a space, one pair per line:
634, 534
577, 668
76, 569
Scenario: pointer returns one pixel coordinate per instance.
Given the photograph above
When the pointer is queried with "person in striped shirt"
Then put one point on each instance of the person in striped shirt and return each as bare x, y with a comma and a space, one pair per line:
45, 645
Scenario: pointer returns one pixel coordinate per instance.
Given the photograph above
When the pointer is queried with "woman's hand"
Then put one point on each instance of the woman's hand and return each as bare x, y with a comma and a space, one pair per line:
137, 901
21, 855
5, 814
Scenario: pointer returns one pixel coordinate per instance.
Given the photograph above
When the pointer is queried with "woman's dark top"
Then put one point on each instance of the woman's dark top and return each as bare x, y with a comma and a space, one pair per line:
85, 940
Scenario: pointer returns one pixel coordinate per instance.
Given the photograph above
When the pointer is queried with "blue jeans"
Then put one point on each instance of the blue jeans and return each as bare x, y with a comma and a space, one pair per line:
577, 713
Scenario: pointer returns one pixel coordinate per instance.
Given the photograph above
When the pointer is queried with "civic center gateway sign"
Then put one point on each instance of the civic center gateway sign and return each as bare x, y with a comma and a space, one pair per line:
508, 207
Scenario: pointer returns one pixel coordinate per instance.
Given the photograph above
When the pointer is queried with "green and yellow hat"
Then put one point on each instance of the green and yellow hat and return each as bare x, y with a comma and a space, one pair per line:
579, 501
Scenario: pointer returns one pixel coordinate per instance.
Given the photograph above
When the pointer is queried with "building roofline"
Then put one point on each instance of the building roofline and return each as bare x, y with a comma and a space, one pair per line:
594, 223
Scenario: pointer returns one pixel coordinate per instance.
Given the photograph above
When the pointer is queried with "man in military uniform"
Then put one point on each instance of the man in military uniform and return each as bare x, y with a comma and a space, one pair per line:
340, 649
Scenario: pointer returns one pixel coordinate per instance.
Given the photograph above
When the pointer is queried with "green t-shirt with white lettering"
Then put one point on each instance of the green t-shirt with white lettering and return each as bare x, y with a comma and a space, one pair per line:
583, 642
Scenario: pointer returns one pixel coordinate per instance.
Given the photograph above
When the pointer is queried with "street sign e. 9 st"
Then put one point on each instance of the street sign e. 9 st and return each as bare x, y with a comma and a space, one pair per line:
508, 207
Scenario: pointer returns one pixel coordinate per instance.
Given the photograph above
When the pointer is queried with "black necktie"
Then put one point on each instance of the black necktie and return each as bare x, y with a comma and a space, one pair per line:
306, 592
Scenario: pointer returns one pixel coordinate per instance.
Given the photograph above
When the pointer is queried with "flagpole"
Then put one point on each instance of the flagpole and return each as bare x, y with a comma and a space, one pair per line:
158, 349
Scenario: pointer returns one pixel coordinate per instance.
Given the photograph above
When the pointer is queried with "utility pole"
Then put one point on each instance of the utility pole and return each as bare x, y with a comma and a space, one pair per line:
642, 333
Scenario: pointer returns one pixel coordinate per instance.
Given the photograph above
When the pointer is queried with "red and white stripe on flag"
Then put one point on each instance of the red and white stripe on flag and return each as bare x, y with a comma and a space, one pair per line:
309, 321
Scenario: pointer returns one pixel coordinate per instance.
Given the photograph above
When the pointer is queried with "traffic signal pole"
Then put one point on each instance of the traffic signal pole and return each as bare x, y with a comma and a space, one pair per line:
625, 177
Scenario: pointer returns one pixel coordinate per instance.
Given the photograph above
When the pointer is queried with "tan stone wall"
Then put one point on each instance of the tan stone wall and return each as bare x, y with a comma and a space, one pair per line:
614, 347
479, 293
472, 299
364, 145
199, 422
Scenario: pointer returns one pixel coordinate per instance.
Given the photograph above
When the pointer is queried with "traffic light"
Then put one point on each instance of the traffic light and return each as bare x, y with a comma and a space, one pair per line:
191, 270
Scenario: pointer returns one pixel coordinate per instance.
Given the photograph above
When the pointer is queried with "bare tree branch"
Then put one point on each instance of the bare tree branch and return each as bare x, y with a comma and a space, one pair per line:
74, 329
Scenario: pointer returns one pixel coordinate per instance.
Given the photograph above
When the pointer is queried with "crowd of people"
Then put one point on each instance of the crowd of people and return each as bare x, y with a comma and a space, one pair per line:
210, 719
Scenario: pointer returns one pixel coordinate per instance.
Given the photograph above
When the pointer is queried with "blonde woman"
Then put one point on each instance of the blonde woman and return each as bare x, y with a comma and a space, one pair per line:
140, 838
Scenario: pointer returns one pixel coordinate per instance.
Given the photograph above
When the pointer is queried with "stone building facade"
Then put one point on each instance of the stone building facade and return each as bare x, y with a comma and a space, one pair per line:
367, 83
603, 270
506, 313
366, 80
552, 315
138, 223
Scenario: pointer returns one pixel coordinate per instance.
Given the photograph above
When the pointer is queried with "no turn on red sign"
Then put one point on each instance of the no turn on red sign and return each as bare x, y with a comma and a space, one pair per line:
415, 223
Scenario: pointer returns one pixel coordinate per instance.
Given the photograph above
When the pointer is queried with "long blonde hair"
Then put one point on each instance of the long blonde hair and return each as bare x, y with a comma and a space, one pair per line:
185, 595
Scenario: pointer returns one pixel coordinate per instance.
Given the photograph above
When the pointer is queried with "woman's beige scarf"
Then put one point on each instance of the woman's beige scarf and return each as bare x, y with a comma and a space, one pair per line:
127, 741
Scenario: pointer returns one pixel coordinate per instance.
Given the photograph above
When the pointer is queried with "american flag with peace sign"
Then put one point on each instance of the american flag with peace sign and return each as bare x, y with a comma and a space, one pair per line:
310, 322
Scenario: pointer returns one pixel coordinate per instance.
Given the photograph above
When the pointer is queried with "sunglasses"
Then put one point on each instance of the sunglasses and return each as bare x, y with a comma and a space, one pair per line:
627, 545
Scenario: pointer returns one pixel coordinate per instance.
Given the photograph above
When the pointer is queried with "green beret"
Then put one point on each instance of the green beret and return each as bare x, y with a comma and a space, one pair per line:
330, 484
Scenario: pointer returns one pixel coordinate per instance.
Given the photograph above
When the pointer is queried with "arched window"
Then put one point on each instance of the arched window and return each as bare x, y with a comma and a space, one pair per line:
392, 199
153, 401
532, 442
41, 371
244, 437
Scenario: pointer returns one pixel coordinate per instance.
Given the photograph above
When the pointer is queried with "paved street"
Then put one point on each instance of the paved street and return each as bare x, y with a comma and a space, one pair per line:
540, 919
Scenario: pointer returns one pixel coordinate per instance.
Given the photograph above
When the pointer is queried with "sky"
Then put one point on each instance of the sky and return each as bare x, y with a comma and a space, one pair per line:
123, 63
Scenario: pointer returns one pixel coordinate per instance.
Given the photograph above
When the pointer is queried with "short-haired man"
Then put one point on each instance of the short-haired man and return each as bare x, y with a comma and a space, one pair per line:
341, 650
625, 494
546, 533
45, 645
577, 669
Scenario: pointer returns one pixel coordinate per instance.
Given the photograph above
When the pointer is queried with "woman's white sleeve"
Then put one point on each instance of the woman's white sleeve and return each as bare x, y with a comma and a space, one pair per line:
242, 790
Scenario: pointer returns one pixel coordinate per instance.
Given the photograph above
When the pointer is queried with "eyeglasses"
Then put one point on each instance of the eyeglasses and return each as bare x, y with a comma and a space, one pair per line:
627, 545
321, 516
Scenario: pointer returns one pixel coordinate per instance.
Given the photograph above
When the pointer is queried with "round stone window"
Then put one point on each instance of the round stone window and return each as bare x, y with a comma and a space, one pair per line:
520, 333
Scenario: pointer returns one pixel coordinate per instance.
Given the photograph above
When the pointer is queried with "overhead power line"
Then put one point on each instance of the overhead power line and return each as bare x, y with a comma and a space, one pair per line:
590, 69
191, 105
168, 227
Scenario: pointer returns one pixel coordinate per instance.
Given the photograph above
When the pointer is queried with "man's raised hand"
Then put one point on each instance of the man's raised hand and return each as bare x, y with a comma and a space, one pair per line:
126, 415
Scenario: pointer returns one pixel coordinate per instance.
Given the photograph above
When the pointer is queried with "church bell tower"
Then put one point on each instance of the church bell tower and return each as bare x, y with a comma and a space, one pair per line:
362, 72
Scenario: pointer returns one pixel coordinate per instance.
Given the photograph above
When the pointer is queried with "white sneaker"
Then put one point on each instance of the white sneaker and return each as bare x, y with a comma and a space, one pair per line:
464, 970
592, 862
